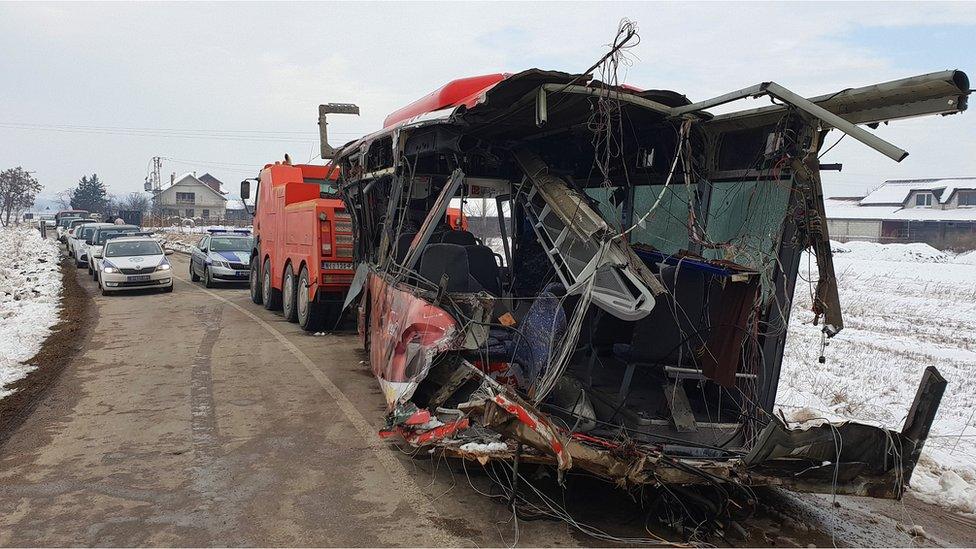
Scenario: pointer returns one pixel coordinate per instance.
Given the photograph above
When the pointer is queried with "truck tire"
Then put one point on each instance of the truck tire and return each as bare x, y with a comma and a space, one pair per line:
270, 295
289, 294
254, 280
194, 277
311, 316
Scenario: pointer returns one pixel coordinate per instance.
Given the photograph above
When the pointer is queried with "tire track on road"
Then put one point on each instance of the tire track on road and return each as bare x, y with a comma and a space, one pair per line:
403, 484
203, 419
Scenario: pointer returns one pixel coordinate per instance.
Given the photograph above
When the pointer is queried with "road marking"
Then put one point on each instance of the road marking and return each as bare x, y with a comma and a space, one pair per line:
403, 485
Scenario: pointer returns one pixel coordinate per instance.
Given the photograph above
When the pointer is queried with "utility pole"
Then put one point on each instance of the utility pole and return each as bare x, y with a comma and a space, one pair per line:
152, 180
152, 183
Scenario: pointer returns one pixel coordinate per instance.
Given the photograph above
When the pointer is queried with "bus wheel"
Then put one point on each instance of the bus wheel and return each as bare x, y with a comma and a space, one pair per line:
288, 295
310, 313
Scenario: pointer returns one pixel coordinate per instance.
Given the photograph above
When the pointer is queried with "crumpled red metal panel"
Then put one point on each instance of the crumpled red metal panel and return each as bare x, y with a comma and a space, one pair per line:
405, 333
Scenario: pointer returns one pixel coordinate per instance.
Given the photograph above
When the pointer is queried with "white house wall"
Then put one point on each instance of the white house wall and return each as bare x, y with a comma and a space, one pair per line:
854, 229
204, 199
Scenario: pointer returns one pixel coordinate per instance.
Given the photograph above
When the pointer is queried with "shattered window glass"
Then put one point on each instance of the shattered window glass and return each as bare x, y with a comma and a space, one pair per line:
611, 212
746, 219
666, 227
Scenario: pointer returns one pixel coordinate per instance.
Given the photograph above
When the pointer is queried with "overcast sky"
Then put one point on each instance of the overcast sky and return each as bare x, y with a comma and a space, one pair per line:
227, 87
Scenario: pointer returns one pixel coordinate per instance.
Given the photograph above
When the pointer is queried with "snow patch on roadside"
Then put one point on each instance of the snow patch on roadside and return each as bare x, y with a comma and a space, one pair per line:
182, 239
30, 294
906, 307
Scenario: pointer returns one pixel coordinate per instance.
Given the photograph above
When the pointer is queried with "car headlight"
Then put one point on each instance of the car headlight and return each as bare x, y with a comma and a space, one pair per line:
220, 263
108, 270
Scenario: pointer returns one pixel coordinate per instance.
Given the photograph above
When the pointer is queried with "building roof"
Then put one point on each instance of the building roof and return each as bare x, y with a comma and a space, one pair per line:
845, 209
213, 182
896, 191
195, 179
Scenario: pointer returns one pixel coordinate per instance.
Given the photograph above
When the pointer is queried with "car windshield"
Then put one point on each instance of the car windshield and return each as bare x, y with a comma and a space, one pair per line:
86, 232
132, 247
105, 235
230, 244
66, 221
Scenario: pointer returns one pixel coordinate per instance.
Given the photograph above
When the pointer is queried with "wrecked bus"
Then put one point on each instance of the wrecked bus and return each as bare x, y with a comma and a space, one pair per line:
625, 310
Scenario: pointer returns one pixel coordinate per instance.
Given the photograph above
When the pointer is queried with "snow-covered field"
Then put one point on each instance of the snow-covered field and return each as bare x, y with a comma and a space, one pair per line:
30, 294
906, 307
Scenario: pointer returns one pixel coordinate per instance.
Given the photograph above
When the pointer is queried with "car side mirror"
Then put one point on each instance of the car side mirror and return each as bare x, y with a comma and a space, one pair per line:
97, 255
204, 249
89, 242
245, 189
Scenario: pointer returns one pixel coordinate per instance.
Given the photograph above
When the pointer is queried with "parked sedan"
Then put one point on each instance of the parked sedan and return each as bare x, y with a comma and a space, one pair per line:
221, 256
65, 224
97, 241
134, 263
78, 243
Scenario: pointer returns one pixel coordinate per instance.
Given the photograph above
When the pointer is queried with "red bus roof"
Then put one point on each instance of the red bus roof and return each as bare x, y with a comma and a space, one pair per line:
463, 91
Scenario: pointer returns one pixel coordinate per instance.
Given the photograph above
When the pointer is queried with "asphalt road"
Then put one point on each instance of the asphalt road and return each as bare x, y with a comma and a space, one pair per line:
198, 418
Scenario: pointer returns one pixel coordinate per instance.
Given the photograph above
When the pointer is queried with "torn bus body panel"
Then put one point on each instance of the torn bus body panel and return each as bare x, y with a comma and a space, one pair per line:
617, 297
405, 334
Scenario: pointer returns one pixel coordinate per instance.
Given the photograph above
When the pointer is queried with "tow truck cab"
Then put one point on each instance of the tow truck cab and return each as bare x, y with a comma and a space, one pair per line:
301, 229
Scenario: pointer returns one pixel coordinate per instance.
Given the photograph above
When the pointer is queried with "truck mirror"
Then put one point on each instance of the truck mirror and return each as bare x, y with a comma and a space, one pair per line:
245, 189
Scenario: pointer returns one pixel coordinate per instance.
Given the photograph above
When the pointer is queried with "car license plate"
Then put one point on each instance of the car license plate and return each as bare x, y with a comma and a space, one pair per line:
137, 278
242, 273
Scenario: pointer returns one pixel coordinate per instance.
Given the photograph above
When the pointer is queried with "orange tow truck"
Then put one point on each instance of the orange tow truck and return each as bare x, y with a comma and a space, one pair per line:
302, 261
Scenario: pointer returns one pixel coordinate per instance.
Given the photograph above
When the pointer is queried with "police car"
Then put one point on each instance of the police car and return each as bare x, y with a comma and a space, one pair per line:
134, 263
224, 255
78, 242
97, 241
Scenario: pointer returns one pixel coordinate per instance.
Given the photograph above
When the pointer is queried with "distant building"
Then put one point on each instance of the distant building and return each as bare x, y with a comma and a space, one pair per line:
236, 212
939, 212
189, 196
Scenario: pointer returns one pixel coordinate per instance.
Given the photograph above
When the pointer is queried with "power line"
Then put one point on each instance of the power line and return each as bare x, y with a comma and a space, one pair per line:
180, 130
216, 135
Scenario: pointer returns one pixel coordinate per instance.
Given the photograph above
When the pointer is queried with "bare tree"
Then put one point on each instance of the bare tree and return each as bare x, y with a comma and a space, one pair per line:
64, 198
18, 189
134, 201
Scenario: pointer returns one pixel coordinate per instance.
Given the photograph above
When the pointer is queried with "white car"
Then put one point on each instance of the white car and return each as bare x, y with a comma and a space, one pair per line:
97, 241
78, 243
134, 263
68, 229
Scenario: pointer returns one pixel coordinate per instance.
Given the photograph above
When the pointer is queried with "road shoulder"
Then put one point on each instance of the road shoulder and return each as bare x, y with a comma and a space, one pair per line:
66, 341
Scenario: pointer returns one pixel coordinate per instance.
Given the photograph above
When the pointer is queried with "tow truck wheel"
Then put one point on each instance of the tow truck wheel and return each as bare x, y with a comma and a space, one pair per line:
270, 296
288, 295
193, 274
254, 279
310, 314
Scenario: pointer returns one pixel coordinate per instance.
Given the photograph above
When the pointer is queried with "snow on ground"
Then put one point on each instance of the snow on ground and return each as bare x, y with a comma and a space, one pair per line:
30, 293
906, 307
182, 239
